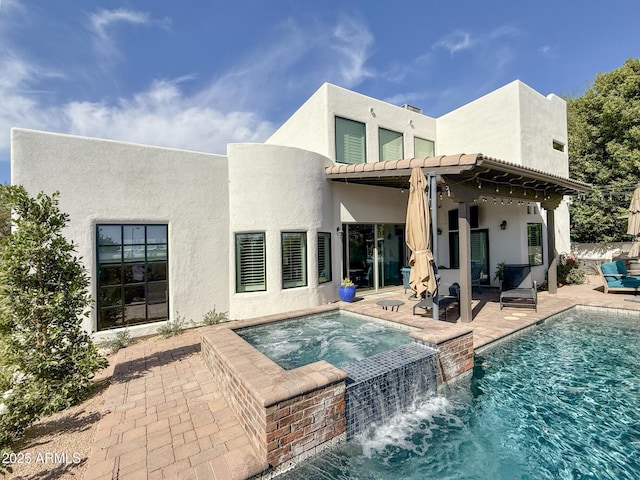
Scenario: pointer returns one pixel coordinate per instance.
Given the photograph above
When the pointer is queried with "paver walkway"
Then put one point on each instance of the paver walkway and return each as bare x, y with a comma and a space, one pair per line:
165, 418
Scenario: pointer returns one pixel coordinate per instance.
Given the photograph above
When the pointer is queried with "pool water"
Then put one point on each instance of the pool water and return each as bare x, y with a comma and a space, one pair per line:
338, 337
561, 401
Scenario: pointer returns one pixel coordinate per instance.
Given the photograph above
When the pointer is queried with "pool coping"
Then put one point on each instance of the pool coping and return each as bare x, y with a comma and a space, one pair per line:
550, 318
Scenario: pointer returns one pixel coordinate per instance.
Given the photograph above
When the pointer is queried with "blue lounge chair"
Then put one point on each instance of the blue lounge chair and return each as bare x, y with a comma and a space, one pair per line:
616, 278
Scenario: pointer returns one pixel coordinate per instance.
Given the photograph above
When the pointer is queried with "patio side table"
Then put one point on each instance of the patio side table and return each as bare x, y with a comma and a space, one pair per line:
390, 303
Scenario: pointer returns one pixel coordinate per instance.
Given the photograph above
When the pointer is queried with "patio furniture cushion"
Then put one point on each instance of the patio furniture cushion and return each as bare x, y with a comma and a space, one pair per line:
626, 282
616, 277
616, 269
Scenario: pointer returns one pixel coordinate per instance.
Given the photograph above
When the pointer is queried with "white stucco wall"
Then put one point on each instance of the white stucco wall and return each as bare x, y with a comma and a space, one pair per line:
488, 125
543, 120
102, 181
303, 129
514, 123
275, 189
308, 127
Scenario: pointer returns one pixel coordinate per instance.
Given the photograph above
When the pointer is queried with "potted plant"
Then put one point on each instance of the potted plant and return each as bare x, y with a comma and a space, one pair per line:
347, 290
499, 272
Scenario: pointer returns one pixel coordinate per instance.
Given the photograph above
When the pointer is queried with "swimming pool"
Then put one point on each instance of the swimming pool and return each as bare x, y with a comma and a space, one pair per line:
338, 337
560, 401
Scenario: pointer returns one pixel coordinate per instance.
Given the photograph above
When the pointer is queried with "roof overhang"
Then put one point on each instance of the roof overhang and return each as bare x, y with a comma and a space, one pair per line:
468, 176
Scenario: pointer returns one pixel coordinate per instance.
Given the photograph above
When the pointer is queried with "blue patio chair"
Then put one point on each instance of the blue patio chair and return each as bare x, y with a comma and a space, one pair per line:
406, 272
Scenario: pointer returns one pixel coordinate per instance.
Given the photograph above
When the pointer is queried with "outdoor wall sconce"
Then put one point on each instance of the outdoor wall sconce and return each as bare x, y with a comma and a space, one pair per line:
503, 225
339, 232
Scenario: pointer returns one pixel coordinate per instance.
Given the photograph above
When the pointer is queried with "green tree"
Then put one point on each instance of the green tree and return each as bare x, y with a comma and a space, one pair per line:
47, 360
5, 215
604, 150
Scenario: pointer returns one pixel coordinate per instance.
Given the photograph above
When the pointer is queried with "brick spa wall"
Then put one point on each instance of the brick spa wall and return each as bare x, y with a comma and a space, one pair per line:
455, 352
290, 414
285, 413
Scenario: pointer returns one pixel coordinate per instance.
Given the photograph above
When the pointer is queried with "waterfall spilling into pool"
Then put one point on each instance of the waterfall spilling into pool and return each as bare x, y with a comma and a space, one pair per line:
388, 383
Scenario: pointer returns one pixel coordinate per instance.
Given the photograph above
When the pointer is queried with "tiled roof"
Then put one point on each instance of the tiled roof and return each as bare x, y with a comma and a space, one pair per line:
394, 165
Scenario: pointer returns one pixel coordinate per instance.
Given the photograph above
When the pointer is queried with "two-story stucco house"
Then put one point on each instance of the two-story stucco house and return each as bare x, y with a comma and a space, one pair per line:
274, 227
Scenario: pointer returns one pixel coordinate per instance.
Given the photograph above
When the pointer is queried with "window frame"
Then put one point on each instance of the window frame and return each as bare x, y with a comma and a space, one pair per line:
342, 152
324, 238
539, 249
302, 277
415, 149
136, 265
260, 266
381, 146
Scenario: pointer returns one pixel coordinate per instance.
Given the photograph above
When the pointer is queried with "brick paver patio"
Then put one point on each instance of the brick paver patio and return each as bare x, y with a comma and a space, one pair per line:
165, 418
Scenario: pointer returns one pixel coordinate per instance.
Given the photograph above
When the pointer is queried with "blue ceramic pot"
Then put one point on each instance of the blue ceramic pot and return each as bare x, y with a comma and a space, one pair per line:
347, 294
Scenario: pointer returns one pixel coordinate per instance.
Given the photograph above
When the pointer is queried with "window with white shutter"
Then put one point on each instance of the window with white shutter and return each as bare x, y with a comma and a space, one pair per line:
390, 144
350, 141
423, 148
250, 262
324, 257
294, 259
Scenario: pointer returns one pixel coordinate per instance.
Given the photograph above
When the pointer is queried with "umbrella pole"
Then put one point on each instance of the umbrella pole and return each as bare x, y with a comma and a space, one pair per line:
433, 205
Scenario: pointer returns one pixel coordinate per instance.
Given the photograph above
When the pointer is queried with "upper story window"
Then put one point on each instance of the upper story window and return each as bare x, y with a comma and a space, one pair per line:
391, 145
350, 141
250, 262
559, 146
423, 148
133, 284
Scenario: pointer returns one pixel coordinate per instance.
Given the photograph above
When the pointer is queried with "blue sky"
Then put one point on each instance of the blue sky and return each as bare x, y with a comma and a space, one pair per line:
200, 74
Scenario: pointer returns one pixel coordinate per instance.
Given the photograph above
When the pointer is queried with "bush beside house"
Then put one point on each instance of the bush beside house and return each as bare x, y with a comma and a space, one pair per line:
47, 360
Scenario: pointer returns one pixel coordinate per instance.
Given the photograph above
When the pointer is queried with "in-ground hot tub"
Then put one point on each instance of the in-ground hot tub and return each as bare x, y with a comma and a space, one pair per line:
338, 337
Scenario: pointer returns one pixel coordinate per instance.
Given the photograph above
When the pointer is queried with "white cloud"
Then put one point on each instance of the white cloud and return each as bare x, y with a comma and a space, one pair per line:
105, 18
353, 41
455, 42
103, 21
548, 51
163, 115
184, 112
20, 104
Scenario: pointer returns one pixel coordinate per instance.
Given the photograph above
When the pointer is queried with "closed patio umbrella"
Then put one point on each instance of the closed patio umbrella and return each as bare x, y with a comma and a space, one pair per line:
418, 236
633, 225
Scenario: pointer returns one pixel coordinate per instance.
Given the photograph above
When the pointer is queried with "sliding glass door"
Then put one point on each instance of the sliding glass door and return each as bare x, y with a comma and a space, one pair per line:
374, 254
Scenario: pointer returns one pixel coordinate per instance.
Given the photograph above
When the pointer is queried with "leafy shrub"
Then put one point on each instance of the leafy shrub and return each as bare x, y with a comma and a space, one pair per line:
46, 360
213, 318
575, 277
174, 327
569, 272
122, 339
